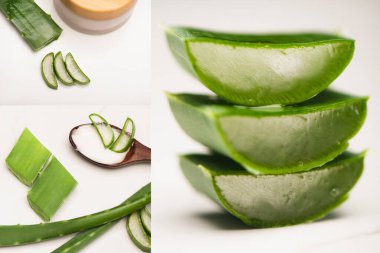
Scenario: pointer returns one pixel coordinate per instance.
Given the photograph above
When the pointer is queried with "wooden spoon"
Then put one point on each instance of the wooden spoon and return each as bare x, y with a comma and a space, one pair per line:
138, 153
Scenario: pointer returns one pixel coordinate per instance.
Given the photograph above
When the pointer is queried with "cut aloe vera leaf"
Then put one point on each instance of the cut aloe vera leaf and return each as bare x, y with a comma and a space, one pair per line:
145, 220
273, 200
50, 190
261, 69
35, 26
60, 70
27, 158
273, 140
137, 233
103, 128
47, 70
125, 138
148, 208
75, 71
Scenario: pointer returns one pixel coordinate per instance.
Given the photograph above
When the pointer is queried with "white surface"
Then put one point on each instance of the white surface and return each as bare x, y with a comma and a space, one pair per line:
97, 188
117, 63
185, 221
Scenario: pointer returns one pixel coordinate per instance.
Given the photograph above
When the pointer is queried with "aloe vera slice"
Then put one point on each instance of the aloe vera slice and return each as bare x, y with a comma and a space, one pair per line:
27, 158
148, 208
125, 138
60, 70
273, 140
14, 235
137, 233
47, 70
35, 26
145, 220
75, 71
261, 69
51, 188
273, 200
103, 128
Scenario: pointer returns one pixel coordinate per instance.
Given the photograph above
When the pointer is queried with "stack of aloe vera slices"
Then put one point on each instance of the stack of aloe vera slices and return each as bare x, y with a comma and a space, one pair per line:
280, 164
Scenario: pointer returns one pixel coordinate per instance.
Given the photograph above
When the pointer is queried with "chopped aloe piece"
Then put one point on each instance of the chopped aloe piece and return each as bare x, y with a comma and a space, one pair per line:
75, 71
60, 70
273, 200
273, 140
103, 128
34, 25
137, 233
145, 220
51, 188
27, 158
125, 138
47, 70
148, 208
261, 69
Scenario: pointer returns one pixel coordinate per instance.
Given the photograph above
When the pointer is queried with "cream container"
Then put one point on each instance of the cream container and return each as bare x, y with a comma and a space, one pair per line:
95, 16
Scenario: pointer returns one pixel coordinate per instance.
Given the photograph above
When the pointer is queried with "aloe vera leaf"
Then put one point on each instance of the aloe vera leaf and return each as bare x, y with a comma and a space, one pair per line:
27, 158
148, 208
261, 69
75, 71
15, 235
145, 220
137, 232
35, 26
273, 200
103, 128
51, 188
47, 71
81, 240
125, 138
273, 140
60, 70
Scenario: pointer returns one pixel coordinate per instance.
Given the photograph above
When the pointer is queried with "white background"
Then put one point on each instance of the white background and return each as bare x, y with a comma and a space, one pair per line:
117, 63
98, 189
185, 221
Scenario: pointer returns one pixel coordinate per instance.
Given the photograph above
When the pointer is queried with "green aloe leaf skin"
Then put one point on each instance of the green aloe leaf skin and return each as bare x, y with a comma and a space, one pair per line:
14, 235
257, 70
273, 140
273, 200
35, 26
27, 158
51, 188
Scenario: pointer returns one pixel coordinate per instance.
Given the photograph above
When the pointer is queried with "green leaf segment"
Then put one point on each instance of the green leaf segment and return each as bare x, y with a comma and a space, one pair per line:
273, 200
35, 26
273, 140
254, 69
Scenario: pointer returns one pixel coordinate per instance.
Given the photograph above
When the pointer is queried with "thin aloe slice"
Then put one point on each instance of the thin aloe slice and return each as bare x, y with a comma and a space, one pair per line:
27, 158
14, 235
35, 26
75, 71
145, 220
50, 190
103, 128
125, 139
250, 69
60, 70
47, 71
273, 200
137, 233
148, 208
273, 140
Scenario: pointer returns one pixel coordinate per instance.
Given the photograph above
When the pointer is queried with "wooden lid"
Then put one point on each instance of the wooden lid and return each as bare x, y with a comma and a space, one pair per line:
100, 9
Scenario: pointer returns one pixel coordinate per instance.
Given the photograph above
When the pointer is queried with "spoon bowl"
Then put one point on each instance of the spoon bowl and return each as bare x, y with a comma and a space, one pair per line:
138, 153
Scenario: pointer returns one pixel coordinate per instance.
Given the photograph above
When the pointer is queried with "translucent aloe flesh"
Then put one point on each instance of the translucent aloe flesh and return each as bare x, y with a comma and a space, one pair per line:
261, 69
273, 140
103, 128
273, 200
145, 220
35, 26
15, 235
27, 158
51, 188
137, 232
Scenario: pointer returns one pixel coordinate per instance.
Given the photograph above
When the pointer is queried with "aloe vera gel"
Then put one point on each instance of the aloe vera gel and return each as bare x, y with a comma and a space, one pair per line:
280, 164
